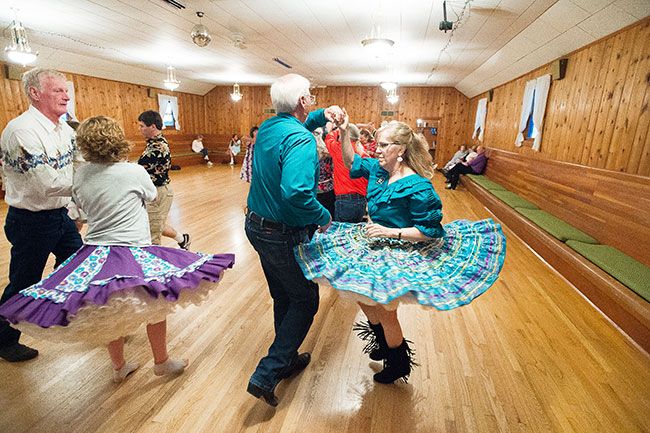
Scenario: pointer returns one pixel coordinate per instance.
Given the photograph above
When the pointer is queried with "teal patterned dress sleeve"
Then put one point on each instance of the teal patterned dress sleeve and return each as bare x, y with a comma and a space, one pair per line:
362, 167
426, 212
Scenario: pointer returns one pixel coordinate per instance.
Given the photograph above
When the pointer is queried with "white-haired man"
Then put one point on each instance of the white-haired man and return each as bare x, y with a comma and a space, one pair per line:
37, 155
282, 212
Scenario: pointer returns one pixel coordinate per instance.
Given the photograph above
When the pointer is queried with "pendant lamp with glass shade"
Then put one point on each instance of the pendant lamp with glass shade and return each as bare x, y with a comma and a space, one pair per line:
236, 94
19, 50
200, 33
392, 96
171, 82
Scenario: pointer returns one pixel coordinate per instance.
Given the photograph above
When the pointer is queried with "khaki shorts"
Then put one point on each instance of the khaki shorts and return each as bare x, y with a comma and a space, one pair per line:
158, 211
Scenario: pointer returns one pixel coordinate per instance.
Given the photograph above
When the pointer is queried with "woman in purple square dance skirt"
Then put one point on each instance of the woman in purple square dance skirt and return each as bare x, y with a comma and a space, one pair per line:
117, 280
403, 254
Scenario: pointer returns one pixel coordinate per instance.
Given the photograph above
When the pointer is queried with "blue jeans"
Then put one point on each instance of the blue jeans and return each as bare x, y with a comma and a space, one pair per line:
33, 236
350, 208
295, 299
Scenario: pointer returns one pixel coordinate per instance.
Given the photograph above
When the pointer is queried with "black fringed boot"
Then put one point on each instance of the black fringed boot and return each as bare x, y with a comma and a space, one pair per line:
398, 364
376, 346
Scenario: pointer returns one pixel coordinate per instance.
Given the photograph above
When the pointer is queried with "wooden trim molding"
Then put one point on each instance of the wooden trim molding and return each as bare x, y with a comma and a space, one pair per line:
626, 309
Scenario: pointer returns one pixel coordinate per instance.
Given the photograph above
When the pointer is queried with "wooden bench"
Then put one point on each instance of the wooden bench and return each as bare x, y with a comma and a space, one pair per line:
180, 146
597, 202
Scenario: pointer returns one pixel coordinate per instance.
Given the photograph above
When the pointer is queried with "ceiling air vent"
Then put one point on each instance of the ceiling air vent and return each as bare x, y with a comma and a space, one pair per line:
176, 4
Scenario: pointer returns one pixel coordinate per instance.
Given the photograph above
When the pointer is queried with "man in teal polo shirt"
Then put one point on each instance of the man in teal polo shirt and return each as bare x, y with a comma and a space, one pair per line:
283, 212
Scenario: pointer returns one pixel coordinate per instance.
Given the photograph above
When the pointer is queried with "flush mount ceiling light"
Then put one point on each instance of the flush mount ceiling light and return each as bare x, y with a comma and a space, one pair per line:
236, 94
377, 45
171, 82
388, 85
19, 50
200, 33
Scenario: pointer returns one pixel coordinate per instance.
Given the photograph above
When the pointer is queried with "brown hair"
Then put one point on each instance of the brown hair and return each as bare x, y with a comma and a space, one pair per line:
416, 155
101, 139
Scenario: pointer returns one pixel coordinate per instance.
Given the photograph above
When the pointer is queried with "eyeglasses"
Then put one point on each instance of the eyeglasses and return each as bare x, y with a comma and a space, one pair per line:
381, 145
310, 98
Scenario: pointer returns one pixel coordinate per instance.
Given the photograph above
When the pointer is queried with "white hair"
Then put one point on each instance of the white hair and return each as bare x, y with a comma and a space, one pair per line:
286, 92
33, 77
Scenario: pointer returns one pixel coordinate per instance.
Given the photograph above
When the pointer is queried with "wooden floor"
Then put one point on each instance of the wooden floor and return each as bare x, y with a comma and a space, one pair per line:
530, 355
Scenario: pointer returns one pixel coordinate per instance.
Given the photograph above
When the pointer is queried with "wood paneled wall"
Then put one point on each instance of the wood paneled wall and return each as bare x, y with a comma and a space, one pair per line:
214, 114
597, 116
121, 101
364, 104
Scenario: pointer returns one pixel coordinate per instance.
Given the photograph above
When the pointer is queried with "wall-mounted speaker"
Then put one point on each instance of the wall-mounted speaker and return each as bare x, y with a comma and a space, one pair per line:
14, 72
490, 95
558, 69
151, 93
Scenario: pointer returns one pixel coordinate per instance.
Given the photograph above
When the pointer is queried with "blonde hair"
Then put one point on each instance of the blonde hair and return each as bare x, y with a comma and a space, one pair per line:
416, 156
101, 139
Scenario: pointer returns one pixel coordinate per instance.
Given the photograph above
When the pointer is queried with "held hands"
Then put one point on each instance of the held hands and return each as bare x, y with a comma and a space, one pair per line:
345, 121
334, 114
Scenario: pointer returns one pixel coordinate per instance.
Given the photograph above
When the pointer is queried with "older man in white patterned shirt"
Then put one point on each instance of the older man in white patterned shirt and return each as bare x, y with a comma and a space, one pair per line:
37, 150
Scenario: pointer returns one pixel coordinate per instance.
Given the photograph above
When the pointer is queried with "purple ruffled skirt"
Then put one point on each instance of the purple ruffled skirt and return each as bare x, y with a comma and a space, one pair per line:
103, 292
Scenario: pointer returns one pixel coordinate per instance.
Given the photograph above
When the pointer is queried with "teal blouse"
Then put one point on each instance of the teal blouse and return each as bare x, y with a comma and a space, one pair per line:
407, 202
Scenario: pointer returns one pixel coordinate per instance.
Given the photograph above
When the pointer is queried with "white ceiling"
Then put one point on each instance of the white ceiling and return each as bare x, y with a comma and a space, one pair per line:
134, 41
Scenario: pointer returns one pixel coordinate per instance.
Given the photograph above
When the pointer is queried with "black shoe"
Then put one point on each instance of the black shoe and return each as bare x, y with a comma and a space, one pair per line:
298, 364
257, 392
185, 243
17, 352
376, 346
398, 364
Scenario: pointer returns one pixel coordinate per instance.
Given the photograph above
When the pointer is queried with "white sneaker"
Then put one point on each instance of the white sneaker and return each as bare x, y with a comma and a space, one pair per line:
210, 164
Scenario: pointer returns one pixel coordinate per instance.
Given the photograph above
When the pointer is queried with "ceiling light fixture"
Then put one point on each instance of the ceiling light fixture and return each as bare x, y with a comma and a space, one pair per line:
388, 85
375, 44
171, 82
200, 33
19, 50
392, 96
236, 94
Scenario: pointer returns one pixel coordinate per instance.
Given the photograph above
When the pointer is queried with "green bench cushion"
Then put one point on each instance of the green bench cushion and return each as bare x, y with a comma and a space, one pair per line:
486, 183
555, 226
513, 200
624, 268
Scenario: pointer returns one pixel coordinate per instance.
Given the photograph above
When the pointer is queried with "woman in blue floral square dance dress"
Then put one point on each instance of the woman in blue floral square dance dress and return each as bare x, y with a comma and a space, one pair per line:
117, 280
403, 253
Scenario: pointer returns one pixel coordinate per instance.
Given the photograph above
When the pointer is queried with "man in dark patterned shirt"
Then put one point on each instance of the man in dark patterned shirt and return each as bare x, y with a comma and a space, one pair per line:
156, 159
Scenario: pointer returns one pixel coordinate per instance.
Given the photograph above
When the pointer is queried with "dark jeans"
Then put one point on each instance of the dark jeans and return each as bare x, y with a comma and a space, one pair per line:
295, 299
350, 208
33, 236
204, 152
327, 199
453, 175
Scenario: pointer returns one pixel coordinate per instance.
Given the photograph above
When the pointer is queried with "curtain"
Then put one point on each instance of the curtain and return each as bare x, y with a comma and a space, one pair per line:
168, 108
479, 122
542, 86
526, 107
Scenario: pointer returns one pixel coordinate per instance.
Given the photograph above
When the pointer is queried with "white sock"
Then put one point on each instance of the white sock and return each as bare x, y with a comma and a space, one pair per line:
171, 366
128, 368
179, 237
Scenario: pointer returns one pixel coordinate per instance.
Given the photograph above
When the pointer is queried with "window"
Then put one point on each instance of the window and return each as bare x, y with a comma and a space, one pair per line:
533, 108
530, 128
168, 117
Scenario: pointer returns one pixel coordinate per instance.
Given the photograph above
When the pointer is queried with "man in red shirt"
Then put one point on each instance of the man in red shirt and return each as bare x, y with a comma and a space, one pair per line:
350, 205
